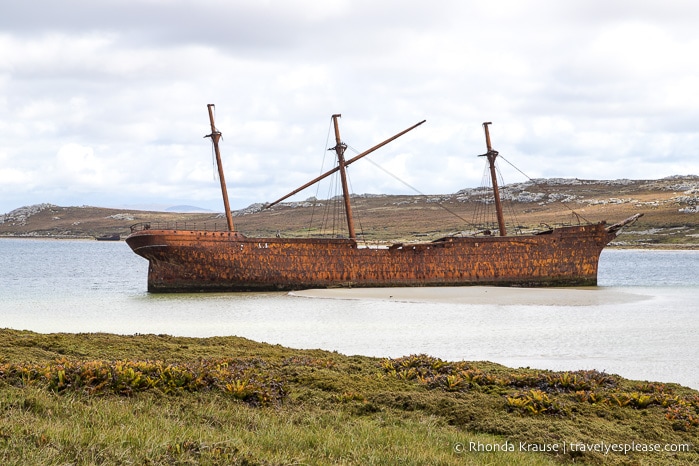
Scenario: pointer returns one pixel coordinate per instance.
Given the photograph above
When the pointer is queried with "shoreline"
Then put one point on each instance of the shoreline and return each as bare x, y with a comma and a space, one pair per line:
582, 296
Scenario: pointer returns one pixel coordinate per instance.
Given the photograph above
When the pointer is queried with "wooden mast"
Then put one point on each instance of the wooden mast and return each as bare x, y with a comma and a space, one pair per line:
492, 155
215, 136
340, 151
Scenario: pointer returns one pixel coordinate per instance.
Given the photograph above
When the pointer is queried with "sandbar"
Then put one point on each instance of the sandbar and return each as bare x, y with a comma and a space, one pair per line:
584, 296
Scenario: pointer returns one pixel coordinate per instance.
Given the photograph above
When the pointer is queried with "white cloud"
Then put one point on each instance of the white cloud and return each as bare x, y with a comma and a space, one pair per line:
118, 90
77, 165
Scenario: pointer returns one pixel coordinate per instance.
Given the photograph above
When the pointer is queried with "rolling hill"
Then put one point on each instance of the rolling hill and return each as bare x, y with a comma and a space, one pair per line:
670, 207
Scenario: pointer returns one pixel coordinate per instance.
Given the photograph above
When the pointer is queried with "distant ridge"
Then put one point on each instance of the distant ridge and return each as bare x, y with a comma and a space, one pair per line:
180, 209
670, 206
187, 209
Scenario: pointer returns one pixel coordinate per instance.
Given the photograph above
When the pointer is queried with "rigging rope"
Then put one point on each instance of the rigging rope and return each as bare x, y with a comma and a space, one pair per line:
334, 208
410, 186
480, 217
545, 189
322, 164
213, 154
484, 216
509, 204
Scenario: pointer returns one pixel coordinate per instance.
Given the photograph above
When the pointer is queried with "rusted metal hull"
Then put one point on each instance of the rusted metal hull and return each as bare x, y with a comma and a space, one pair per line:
190, 261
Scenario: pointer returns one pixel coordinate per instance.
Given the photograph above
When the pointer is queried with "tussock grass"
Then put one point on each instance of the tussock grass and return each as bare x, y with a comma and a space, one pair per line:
321, 407
51, 429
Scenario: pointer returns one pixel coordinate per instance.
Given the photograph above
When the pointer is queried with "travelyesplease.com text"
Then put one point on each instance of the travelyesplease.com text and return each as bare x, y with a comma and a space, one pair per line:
568, 447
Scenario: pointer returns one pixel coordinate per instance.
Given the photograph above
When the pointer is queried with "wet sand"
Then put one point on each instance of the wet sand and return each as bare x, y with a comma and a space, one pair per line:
586, 296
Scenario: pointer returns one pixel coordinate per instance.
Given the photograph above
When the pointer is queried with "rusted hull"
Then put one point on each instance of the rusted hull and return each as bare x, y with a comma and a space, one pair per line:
189, 261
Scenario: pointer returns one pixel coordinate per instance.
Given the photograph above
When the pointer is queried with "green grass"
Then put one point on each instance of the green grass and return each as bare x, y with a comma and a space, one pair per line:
147, 399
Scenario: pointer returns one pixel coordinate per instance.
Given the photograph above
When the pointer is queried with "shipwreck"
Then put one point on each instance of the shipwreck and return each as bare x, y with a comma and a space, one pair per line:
188, 260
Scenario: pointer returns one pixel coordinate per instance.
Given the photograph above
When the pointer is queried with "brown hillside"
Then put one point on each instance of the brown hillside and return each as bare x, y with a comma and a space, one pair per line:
670, 207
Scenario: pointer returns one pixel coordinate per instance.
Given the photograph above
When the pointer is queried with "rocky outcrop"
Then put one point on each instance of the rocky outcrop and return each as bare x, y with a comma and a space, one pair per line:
20, 216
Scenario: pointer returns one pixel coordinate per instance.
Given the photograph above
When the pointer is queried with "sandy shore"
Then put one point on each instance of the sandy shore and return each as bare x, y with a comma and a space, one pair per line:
482, 295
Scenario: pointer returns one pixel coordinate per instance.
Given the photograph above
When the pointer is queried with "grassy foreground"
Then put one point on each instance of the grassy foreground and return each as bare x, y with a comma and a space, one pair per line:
147, 399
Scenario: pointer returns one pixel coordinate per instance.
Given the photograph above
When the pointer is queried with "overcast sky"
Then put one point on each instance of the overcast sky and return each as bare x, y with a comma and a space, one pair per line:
104, 102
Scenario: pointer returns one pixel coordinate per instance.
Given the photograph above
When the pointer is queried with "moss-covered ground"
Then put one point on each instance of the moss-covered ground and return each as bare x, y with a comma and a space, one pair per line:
155, 399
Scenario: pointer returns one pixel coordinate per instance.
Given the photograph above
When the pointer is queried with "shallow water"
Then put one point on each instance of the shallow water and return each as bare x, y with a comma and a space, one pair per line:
641, 322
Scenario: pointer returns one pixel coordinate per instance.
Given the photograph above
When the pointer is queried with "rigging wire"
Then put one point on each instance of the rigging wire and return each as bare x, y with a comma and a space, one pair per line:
358, 218
410, 186
546, 190
509, 204
322, 164
327, 220
334, 208
483, 215
214, 169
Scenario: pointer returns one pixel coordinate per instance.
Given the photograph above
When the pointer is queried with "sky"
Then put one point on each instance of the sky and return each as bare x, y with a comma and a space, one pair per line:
103, 103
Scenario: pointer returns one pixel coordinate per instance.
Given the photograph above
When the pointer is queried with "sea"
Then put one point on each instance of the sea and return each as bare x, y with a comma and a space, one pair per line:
649, 330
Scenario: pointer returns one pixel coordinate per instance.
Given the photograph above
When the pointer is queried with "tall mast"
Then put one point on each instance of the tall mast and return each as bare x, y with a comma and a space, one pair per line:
340, 151
492, 155
215, 136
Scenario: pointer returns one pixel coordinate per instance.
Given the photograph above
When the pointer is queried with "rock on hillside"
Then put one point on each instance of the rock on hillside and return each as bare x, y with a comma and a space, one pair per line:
20, 216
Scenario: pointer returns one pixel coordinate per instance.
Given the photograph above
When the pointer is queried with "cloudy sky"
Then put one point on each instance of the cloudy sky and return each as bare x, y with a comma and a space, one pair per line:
104, 102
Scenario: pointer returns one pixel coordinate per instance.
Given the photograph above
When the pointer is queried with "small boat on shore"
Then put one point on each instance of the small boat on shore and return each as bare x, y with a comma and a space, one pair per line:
109, 237
200, 260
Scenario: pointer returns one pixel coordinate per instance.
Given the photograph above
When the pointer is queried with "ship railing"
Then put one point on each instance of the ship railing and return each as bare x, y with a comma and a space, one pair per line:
181, 226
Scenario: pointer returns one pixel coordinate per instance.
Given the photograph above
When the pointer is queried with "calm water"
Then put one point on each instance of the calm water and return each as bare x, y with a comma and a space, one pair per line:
90, 286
